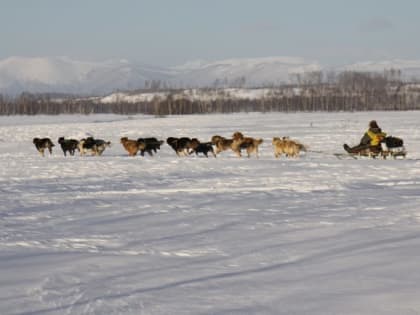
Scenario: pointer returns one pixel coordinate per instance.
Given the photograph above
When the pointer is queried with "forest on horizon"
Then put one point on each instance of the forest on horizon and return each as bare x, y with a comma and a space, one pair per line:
311, 91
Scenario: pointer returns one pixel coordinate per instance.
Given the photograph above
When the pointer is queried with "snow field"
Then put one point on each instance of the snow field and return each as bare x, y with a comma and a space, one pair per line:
168, 235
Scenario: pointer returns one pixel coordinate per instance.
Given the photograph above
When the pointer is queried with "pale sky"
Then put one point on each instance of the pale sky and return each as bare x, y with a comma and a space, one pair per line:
171, 32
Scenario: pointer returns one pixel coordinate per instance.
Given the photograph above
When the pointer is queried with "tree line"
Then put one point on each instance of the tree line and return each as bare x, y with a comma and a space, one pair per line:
313, 91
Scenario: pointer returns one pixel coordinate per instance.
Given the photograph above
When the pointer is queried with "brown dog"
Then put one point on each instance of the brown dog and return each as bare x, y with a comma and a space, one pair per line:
221, 143
250, 144
286, 146
132, 146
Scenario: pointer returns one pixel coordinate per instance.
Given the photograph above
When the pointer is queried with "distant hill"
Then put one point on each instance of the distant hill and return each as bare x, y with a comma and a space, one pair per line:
64, 75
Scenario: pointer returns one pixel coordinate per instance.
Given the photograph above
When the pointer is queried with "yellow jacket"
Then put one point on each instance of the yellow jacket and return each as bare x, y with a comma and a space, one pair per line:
376, 137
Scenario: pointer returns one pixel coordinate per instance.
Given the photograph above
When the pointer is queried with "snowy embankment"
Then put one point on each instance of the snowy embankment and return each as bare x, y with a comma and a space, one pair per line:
168, 235
189, 94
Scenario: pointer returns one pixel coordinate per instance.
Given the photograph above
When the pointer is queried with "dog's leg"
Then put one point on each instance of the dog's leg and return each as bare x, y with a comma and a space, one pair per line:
248, 151
212, 151
237, 152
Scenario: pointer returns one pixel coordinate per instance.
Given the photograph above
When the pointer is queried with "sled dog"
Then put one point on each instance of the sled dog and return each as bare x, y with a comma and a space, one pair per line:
287, 146
42, 144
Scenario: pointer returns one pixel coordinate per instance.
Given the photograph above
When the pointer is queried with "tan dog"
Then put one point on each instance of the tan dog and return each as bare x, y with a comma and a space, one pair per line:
286, 146
221, 143
250, 144
132, 146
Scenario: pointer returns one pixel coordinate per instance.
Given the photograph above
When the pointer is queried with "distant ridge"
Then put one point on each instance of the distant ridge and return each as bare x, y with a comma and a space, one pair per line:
65, 75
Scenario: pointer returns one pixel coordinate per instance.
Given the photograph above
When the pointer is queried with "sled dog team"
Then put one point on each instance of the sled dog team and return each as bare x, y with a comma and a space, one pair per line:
374, 143
183, 146
89, 144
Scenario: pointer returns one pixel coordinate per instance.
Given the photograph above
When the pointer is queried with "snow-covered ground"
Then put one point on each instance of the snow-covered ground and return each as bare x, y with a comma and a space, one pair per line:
168, 235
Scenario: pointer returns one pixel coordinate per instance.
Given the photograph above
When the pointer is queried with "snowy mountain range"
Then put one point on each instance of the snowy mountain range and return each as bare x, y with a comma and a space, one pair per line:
65, 75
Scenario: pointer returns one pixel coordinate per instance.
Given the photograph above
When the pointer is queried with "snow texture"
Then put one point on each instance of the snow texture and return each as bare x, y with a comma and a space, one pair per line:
194, 235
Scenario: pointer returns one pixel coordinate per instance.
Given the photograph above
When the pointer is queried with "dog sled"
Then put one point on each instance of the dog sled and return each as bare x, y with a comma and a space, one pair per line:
389, 147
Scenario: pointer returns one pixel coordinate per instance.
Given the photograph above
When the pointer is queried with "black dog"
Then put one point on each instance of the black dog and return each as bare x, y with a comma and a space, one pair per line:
42, 144
70, 145
201, 147
150, 145
180, 145
87, 144
172, 142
